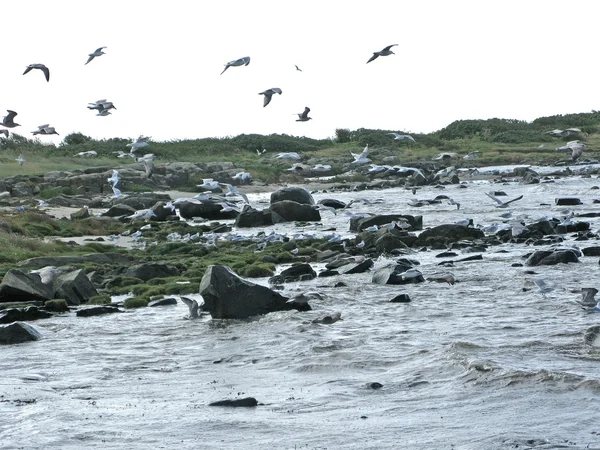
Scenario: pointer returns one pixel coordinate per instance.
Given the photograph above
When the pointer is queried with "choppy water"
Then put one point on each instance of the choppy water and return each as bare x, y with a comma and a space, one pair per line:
477, 365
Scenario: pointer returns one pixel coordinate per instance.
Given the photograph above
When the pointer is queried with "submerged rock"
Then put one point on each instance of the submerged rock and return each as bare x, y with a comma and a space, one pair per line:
97, 311
236, 403
18, 332
290, 211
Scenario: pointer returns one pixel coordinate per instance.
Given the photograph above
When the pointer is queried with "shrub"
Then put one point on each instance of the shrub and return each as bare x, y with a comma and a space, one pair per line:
135, 302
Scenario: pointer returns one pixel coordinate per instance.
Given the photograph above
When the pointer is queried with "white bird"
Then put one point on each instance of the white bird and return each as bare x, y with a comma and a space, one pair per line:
95, 53
321, 168
500, 203
362, 158
47, 273
576, 148
102, 106
193, 306
374, 168
233, 192
114, 179
259, 153
269, 94
402, 137
117, 193
41, 67
303, 116
45, 129
228, 207
208, 184
144, 214
236, 63
542, 286
385, 52
21, 159
563, 133
414, 170
243, 177
587, 298
140, 142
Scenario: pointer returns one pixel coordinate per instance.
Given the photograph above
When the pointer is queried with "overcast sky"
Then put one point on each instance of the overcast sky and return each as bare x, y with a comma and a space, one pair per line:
454, 60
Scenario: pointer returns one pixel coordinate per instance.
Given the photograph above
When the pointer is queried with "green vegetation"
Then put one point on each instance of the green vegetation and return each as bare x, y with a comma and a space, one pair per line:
136, 302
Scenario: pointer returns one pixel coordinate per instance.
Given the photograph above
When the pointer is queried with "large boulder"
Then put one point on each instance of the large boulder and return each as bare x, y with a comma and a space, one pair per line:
20, 286
294, 194
207, 209
291, 211
97, 311
227, 296
250, 217
23, 314
550, 258
75, 287
148, 271
297, 272
449, 233
18, 332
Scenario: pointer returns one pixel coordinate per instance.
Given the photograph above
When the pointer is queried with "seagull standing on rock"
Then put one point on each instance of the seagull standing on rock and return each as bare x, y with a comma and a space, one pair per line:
41, 67
385, 52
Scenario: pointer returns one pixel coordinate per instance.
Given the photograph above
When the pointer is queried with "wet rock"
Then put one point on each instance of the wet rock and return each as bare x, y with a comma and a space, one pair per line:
119, 210
75, 287
549, 258
359, 224
567, 201
297, 272
20, 286
236, 403
329, 318
592, 336
394, 274
374, 385
251, 217
401, 298
208, 209
148, 271
18, 332
449, 233
332, 203
162, 211
163, 302
356, 267
97, 311
227, 296
294, 194
291, 211
23, 314
591, 251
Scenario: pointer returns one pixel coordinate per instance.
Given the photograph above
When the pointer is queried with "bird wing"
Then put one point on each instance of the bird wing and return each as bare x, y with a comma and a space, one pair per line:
226, 67
46, 72
149, 166
304, 115
28, 69
89, 59
267, 98
192, 305
513, 200
10, 116
374, 57
99, 49
387, 49
497, 200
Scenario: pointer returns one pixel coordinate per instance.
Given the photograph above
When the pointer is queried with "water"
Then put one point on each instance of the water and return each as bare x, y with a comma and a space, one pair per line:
478, 365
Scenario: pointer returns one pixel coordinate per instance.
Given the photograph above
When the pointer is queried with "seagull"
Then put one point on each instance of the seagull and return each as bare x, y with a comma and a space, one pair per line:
193, 307
148, 166
243, 177
47, 273
563, 133
303, 117
402, 137
238, 62
502, 204
228, 207
444, 278
362, 158
303, 299
145, 214
42, 67
97, 52
587, 298
44, 129
140, 142
543, 286
269, 94
298, 68
259, 153
208, 184
8, 120
114, 179
104, 112
414, 170
118, 193
232, 192
329, 318
576, 148
385, 52
4, 132
20, 159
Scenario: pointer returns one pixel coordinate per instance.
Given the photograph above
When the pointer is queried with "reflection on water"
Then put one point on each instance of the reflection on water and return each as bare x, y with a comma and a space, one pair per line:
482, 364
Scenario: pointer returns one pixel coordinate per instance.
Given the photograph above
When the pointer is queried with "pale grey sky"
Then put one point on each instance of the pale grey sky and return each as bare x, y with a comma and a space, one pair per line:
457, 59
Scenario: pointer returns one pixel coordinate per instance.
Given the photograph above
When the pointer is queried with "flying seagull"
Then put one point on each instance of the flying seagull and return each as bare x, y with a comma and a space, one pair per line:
402, 137
193, 307
42, 67
44, 129
97, 52
500, 203
576, 148
563, 133
5, 132
102, 106
47, 273
385, 52
298, 68
238, 62
20, 159
303, 117
233, 192
140, 142
8, 120
587, 297
269, 94
362, 158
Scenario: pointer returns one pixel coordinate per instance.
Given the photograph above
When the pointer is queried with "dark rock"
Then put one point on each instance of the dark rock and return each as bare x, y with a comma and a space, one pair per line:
449, 233
294, 194
148, 271
297, 272
332, 203
119, 210
401, 298
20, 286
75, 287
591, 251
208, 209
356, 267
96, 258
227, 296
23, 314
549, 258
328, 273
374, 385
83, 213
236, 403
567, 201
97, 311
359, 224
162, 211
446, 255
163, 302
392, 274
251, 217
290, 211
18, 332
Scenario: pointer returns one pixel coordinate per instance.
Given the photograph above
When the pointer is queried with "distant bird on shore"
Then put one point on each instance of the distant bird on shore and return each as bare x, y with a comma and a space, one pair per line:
269, 94
576, 148
41, 67
8, 120
298, 68
143, 214
385, 52
236, 63
20, 159
95, 53
362, 158
402, 137
303, 117
44, 129
500, 203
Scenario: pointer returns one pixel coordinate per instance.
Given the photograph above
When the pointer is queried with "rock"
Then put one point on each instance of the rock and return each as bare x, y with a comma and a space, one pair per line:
237, 403
161, 211
355, 267
401, 298
148, 271
23, 314
227, 296
374, 385
591, 251
250, 217
18, 332
592, 336
96, 258
297, 272
20, 286
21, 189
163, 302
75, 287
567, 201
448, 233
332, 203
97, 311
392, 274
291, 211
119, 210
207, 209
549, 258
359, 224
294, 194
83, 213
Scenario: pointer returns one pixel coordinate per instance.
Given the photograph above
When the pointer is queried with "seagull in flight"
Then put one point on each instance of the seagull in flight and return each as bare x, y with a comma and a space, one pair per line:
20, 159
193, 307
95, 53
362, 158
140, 142
8, 120
233, 192
303, 117
114, 179
587, 298
42, 67
576, 148
500, 203
385, 52
238, 62
47, 273
44, 129
402, 137
298, 68
269, 94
